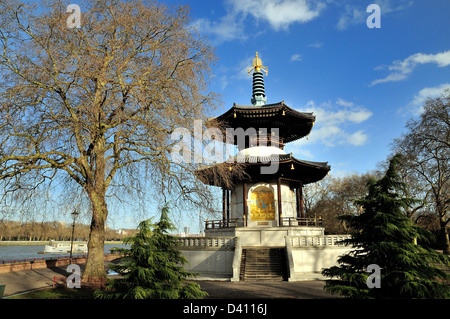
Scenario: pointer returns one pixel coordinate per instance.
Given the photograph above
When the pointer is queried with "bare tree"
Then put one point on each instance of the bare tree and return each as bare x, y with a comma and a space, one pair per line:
96, 105
334, 197
426, 150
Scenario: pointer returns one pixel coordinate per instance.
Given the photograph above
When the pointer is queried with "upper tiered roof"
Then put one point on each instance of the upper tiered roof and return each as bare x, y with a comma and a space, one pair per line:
292, 124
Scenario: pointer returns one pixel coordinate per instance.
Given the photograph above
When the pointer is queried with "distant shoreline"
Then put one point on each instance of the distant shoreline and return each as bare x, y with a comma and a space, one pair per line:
44, 242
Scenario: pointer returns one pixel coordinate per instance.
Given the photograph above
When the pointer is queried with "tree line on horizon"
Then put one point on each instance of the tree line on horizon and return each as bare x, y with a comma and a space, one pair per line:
53, 230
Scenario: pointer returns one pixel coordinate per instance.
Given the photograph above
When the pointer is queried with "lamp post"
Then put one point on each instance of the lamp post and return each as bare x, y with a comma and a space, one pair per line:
74, 216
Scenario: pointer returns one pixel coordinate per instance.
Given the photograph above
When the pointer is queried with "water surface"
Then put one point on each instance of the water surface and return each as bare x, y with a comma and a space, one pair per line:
21, 252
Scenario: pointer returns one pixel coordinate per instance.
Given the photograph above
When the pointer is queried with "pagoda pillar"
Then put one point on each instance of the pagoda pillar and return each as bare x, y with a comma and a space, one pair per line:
244, 192
299, 199
228, 206
224, 204
302, 213
279, 200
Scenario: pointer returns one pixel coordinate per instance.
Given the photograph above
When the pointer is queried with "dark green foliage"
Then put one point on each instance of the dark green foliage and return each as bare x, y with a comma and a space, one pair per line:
152, 267
383, 235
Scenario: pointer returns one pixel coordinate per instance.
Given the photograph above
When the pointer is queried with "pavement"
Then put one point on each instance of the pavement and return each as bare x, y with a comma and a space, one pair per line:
27, 280
265, 290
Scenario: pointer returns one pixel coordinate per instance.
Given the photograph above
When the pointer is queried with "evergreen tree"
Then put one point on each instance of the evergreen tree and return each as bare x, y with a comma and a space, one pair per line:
153, 266
384, 236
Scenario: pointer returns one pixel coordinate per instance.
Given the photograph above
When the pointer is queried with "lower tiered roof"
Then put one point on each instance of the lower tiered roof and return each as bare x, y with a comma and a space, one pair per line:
271, 167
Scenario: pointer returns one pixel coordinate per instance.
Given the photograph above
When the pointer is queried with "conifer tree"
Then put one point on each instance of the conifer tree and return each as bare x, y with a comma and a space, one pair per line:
384, 236
153, 266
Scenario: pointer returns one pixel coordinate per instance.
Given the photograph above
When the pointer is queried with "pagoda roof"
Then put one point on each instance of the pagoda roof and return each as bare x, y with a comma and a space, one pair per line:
289, 168
292, 124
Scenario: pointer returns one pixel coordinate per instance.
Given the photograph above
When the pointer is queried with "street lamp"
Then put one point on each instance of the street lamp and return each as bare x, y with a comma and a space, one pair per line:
74, 216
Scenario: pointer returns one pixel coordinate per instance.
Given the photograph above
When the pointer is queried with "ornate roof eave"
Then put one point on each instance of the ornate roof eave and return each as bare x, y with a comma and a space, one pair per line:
292, 124
289, 167
265, 109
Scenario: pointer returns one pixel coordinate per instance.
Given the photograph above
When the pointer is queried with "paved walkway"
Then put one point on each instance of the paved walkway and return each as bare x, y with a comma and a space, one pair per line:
26, 280
265, 290
21, 281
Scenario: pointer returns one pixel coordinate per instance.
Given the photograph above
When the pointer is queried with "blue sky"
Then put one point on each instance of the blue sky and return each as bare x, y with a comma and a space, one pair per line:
362, 83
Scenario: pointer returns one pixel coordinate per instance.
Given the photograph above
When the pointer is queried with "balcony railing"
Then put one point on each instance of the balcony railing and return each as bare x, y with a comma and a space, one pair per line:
301, 221
285, 221
231, 223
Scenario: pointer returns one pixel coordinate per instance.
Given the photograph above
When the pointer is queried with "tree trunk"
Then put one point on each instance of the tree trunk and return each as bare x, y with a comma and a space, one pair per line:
445, 238
441, 211
95, 266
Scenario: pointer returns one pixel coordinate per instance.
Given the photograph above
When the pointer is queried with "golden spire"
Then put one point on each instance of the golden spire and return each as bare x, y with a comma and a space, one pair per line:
257, 65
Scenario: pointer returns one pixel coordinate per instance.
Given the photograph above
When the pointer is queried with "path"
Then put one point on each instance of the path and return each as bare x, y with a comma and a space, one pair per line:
21, 281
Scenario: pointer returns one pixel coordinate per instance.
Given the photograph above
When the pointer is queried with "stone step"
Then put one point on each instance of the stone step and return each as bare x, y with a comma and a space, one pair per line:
255, 254
263, 260
263, 264
265, 278
278, 271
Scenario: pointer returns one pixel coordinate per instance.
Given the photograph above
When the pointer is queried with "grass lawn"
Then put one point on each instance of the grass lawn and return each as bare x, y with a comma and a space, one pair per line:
57, 293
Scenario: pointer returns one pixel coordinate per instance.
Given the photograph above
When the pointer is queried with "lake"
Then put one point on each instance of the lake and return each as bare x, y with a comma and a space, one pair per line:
21, 252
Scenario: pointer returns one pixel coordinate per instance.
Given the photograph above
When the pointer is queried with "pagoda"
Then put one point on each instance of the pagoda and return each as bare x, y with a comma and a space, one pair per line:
265, 204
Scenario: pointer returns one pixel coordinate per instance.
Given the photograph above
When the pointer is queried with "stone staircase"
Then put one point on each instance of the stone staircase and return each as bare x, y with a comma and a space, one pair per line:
263, 264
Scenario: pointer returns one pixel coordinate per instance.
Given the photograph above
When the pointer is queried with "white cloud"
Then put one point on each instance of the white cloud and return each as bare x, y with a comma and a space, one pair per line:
296, 57
431, 92
315, 45
223, 76
416, 105
342, 102
393, 77
349, 113
279, 14
351, 16
358, 138
354, 13
227, 28
223, 80
304, 153
334, 123
240, 71
401, 69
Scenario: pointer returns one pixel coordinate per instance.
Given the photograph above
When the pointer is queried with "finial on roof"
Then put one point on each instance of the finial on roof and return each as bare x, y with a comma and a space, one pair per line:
257, 65
259, 95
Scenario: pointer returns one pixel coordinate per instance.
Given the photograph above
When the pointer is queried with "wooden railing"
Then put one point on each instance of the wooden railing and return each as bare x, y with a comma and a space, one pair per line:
285, 221
298, 221
234, 222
